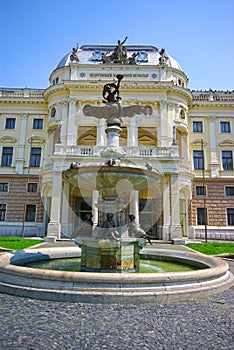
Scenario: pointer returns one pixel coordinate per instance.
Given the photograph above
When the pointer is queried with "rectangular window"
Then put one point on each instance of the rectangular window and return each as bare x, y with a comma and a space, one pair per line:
37, 123
225, 127
32, 187
198, 161
201, 216
227, 160
229, 190
197, 127
35, 158
4, 186
30, 212
2, 212
230, 216
7, 153
10, 123
200, 190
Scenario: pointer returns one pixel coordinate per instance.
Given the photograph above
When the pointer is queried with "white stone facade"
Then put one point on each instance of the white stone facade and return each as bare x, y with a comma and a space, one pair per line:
174, 123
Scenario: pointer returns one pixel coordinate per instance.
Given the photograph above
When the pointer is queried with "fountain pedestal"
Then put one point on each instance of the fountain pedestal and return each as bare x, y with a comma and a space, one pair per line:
107, 255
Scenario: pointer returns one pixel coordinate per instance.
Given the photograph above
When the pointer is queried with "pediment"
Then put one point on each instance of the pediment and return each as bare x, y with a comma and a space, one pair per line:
226, 143
35, 139
198, 142
8, 139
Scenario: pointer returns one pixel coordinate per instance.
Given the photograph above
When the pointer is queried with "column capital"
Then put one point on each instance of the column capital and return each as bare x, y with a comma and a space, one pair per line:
24, 116
72, 100
163, 103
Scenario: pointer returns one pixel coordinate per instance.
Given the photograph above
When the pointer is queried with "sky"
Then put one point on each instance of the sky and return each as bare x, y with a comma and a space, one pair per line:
36, 34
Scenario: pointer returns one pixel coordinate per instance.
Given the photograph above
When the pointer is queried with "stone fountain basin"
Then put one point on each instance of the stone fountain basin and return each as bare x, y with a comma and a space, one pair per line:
97, 177
90, 287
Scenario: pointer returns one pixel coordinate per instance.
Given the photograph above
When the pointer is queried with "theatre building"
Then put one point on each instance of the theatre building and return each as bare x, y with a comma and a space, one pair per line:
184, 136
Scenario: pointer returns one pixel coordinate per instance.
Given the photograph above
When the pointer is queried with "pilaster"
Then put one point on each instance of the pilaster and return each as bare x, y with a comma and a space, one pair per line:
22, 141
214, 164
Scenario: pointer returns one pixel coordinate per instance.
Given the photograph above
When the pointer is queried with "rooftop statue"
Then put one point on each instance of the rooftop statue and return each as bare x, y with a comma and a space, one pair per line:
120, 52
164, 58
73, 55
119, 55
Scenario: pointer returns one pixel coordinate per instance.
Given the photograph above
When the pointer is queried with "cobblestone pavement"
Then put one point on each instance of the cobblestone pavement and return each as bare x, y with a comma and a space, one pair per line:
28, 324
31, 324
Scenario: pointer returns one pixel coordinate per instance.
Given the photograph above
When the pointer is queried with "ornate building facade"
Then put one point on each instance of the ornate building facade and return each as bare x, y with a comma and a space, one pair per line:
186, 136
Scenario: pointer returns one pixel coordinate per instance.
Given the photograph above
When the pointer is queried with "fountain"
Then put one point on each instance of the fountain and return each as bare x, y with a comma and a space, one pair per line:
114, 244
110, 252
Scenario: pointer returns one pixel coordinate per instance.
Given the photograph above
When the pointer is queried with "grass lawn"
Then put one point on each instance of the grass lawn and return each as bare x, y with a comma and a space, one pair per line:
17, 243
212, 247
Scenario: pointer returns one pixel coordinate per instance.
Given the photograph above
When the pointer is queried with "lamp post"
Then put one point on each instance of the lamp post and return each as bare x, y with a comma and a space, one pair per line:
204, 193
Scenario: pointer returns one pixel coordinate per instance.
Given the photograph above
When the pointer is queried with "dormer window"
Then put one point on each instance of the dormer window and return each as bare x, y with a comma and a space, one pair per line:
142, 56
96, 56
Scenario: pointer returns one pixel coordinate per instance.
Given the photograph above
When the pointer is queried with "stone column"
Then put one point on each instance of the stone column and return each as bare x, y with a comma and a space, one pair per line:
94, 207
71, 128
166, 207
65, 210
22, 142
134, 205
54, 227
175, 227
101, 135
46, 201
163, 137
185, 149
214, 164
132, 133
171, 125
64, 123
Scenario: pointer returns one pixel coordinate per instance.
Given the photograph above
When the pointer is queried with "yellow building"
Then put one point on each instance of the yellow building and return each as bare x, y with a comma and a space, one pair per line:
186, 136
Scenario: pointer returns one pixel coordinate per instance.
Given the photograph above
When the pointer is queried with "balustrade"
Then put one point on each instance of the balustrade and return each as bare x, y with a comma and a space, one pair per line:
93, 151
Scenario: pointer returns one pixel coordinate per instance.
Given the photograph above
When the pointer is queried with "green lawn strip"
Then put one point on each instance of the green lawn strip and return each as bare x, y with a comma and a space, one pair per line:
17, 243
212, 248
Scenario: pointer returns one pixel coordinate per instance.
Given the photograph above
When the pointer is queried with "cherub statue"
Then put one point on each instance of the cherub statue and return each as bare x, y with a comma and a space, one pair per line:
111, 91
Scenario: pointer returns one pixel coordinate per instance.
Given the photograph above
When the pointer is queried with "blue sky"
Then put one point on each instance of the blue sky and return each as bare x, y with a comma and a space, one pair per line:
36, 34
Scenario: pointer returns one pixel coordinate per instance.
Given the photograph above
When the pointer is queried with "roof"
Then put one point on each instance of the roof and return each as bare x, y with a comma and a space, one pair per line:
92, 54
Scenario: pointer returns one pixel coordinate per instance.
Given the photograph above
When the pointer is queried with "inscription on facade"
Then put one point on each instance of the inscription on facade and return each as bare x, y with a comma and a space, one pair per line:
113, 75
